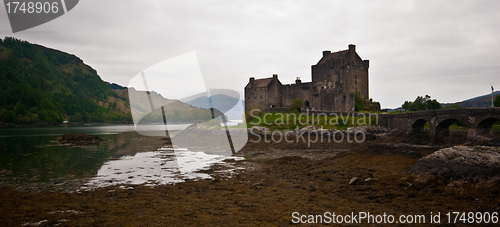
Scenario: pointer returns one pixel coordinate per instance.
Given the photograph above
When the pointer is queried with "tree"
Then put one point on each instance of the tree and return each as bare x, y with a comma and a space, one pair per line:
433, 104
407, 105
113, 105
296, 105
421, 103
497, 101
10, 117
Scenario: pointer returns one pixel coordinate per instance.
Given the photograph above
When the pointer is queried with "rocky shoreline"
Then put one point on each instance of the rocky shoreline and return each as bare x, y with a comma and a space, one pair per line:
385, 174
478, 163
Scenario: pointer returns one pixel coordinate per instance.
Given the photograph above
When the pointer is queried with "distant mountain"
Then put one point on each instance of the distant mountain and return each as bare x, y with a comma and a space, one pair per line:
219, 101
175, 110
230, 106
393, 110
479, 101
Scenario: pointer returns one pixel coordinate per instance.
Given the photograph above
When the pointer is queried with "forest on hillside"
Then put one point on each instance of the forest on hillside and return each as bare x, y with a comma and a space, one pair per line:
42, 85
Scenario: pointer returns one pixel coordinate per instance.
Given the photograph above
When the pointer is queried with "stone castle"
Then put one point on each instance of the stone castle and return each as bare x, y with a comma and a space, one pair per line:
335, 79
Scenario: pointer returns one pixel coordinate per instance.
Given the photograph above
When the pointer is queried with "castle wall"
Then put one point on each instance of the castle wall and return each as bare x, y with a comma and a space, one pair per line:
274, 93
357, 77
255, 97
345, 70
334, 80
262, 97
299, 90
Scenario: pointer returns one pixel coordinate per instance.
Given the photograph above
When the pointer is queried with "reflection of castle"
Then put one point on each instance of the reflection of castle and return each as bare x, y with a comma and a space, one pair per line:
335, 79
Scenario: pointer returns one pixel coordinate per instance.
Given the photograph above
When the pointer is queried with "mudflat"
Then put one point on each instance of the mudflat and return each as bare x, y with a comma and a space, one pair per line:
277, 180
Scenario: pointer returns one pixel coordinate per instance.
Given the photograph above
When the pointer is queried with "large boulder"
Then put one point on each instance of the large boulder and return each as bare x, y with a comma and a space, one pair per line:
460, 162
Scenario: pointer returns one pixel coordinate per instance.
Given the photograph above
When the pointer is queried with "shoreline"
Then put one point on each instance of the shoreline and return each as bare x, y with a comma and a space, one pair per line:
277, 180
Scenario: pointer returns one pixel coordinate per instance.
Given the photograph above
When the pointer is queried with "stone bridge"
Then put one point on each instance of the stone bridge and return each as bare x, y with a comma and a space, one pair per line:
479, 121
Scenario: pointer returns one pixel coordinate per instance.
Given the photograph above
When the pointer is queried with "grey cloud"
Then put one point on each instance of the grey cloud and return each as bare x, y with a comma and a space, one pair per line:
447, 49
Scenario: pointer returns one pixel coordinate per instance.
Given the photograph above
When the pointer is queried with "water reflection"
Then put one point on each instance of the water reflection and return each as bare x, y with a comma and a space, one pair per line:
164, 166
31, 155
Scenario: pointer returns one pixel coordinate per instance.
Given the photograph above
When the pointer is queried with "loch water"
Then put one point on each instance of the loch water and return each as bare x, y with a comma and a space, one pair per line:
32, 155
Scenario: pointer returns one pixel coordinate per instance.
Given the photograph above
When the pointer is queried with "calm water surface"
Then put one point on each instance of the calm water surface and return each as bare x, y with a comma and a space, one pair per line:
32, 155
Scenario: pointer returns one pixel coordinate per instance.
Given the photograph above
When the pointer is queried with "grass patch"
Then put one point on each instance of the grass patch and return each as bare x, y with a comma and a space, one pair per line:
496, 127
290, 121
458, 128
397, 112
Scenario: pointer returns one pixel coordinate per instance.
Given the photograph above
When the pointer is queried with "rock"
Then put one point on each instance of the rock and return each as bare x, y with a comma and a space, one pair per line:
368, 132
460, 162
308, 128
78, 139
353, 180
368, 179
369, 129
259, 129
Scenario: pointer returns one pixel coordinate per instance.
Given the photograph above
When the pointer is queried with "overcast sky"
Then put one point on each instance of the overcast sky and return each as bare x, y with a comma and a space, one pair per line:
449, 50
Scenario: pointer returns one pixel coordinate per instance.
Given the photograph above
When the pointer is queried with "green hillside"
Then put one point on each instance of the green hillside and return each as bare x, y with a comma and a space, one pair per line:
42, 85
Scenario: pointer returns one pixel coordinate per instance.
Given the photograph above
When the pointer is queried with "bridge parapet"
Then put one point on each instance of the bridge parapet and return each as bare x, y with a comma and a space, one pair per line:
479, 121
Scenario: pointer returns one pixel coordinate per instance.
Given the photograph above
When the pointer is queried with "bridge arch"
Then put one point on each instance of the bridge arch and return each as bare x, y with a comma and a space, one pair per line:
418, 125
443, 127
484, 126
